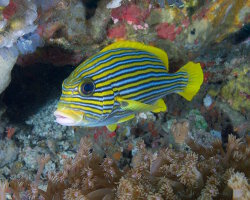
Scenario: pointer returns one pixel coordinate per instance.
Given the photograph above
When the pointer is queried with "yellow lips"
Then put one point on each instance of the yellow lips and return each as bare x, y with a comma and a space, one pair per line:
68, 117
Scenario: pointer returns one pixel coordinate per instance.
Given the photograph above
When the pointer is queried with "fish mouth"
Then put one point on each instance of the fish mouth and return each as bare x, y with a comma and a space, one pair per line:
68, 117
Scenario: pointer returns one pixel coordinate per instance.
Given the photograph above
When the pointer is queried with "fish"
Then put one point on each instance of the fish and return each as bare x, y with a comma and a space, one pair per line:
123, 79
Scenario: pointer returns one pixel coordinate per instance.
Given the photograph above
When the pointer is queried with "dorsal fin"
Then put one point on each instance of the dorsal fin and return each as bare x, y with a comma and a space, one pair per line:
162, 55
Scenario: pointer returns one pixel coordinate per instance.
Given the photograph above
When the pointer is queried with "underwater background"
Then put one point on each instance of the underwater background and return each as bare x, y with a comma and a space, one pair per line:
198, 149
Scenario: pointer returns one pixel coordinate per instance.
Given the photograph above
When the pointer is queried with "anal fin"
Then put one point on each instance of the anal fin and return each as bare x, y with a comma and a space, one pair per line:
111, 127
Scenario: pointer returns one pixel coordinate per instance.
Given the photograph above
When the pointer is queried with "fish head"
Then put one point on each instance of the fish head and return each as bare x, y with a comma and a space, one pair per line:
83, 102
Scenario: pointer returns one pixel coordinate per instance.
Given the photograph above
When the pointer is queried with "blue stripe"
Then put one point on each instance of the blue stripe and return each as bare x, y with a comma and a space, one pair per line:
139, 77
154, 97
110, 97
133, 79
128, 70
98, 55
85, 111
150, 84
113, 57
86, 105
156, 92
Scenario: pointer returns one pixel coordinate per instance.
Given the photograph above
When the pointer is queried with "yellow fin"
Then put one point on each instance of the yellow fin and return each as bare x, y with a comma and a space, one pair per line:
111, 127
140, 46
134, 105
160, 106
126, 118
195, 79
141, 107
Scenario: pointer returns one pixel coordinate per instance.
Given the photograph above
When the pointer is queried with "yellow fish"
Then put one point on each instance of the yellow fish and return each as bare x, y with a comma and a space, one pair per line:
121, 80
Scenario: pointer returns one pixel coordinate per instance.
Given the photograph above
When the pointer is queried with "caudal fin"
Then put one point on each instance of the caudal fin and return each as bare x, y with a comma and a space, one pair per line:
195, 79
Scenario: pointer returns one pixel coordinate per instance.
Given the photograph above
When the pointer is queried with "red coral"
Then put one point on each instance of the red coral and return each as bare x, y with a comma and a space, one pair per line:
134, 14
9, 10
117, 13
167, 31
178, 30
202, 65
206, 76
111, 135
130, 13
185, 23
10, 132
117, 32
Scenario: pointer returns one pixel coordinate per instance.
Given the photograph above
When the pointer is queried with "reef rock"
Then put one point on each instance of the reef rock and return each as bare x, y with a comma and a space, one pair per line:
8, 57
8, 152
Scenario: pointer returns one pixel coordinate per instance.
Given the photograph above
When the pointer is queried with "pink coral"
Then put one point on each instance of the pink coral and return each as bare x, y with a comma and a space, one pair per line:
132, 14
168, 31
9, 10
117, 31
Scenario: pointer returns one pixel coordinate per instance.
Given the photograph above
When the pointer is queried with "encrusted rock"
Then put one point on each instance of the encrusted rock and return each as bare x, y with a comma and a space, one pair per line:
8, 152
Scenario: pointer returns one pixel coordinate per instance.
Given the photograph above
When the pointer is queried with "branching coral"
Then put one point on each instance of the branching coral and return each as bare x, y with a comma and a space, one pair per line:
203, 173
241, 189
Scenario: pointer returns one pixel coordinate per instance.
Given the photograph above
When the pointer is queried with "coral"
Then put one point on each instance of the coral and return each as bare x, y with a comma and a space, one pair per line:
167, 31
180, 131
236, 90
17, 20
29, 42
166, 174
239, 183
131, 13
68, 31
120, 168
20, 17
199, 123
117, 31
211, 189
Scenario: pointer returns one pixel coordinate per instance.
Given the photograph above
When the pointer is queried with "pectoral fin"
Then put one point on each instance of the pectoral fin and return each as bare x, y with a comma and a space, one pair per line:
132, 105
126, 118
111, 127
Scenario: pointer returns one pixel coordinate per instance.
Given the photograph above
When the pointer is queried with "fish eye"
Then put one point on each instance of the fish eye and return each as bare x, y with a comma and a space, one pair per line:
87, 87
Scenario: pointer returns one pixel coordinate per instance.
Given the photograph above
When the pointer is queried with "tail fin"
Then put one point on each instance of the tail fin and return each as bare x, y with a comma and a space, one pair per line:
195, 79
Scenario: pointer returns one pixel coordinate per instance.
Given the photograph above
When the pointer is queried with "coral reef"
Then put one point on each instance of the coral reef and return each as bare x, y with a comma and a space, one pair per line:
17, 22
77, 32
203, 173
196, 150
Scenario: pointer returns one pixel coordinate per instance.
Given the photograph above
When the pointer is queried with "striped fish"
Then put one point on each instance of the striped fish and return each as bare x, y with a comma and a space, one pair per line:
121, 80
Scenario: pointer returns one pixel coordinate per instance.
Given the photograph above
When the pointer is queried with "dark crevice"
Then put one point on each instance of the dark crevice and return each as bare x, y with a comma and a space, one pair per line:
31, 88
91, 6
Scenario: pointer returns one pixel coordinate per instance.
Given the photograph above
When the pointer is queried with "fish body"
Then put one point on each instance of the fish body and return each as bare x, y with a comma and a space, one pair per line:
121, 80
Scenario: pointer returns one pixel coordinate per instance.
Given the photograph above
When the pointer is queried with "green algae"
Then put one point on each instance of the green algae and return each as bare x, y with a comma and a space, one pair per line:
199, 121
236, 90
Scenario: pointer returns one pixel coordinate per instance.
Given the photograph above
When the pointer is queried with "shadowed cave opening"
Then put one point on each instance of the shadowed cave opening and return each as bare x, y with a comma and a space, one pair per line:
31, 88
